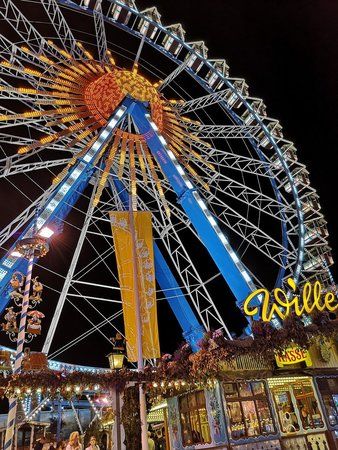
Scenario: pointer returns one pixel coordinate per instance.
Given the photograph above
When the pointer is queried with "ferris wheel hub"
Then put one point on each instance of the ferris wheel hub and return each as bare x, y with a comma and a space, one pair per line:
104, 94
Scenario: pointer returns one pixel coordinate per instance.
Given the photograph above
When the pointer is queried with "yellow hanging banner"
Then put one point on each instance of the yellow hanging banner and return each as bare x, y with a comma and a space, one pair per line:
123, 241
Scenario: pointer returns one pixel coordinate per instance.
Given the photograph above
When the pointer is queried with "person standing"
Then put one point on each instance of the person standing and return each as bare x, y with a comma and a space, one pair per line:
74, 441
151, 442
92, 444
39, 443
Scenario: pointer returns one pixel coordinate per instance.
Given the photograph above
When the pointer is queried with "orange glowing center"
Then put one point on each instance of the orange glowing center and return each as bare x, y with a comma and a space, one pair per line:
103, 95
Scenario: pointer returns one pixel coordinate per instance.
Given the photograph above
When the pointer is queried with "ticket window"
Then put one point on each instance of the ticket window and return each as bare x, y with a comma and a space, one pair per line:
328, 388
248, 410
308, 406
331, 407
287, 416
297, 406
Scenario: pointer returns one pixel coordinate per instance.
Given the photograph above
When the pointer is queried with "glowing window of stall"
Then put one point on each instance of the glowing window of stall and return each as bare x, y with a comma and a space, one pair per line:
328, 388
296, 404
248, 409
194, 419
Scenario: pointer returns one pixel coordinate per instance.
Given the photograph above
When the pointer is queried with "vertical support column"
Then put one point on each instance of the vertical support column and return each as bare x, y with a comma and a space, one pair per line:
166, 428
59, 420
31, 440
117, 428
215, 241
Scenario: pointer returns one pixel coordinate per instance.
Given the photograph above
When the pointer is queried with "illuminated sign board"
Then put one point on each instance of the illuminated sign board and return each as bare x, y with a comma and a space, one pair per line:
293, 355
281, 304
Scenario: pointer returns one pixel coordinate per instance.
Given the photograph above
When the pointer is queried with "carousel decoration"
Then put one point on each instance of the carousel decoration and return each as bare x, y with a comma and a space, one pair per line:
10, 326
37, 289
34, 322
16, 283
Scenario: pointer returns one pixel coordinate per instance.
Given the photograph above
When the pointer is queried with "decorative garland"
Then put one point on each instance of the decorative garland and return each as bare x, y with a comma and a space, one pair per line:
184, 369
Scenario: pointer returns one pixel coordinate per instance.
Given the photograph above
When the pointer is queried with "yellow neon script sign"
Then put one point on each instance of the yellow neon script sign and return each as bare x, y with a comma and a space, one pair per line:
293, 355
310, 299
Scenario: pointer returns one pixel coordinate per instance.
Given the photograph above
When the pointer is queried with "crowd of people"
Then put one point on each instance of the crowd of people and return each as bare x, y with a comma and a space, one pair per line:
155, 442
73, 443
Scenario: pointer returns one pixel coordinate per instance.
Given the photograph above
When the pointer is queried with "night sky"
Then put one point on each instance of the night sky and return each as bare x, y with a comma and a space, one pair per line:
288, 53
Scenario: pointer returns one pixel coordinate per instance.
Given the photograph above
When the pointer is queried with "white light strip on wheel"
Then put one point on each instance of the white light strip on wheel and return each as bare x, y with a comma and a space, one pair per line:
171, 155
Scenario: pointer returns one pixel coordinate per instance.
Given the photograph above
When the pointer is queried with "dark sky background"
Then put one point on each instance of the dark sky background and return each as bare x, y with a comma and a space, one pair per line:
288, 53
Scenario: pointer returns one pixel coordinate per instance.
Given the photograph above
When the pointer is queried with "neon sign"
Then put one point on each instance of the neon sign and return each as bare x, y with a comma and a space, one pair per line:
311, 298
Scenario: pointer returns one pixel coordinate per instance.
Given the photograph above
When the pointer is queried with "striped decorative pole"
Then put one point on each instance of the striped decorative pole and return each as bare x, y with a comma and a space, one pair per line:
29, 248
19, 353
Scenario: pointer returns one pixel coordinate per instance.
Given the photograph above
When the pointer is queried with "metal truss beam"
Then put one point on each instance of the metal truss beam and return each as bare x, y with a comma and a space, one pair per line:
224, 131
201, 102
26, 31
172, 76
14, 54
14, 169
256, 237
101, 38
62, 29
230, 160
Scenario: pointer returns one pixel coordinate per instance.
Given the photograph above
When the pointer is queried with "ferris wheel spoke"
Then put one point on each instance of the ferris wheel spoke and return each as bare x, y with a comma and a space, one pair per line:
11, 139
84, 335
256, 237
16, 122
14, 169
7, 232
164, 83
16, 62
34, 111
100, 31
11, 52
223, 131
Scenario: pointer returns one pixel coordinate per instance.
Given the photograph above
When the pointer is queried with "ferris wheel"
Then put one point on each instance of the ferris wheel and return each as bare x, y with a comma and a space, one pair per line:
103, 107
